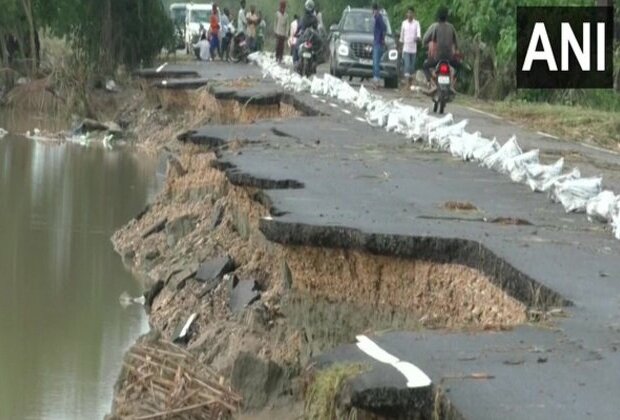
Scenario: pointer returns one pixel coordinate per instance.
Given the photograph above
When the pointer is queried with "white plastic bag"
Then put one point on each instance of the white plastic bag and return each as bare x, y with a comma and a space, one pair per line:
600, 208
470, 143
440, 137
3, 132
615, 219
575, 193
364, 98
550, 183
537, 175
483, 152
347, 94
316, 87
509, 150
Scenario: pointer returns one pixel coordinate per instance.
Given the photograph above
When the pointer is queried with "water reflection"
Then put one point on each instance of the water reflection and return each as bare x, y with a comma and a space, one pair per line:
63, 331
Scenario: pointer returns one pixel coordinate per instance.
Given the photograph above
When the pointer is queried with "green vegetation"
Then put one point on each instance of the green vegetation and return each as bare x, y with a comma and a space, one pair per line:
321, 398
102, 33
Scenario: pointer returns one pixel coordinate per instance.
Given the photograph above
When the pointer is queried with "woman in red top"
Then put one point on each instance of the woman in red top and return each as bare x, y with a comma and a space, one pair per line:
214, 29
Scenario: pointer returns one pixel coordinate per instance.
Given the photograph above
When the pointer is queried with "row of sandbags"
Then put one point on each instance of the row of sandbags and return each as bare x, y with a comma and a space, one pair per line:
576, 194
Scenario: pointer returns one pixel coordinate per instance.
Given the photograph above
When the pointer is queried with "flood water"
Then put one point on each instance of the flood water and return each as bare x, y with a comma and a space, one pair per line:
63, 331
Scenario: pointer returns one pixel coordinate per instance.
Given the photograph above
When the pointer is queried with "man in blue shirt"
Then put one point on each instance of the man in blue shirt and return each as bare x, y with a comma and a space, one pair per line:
378, 45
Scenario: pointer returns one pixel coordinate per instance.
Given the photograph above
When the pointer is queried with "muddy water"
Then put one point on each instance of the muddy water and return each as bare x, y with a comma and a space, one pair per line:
62, 329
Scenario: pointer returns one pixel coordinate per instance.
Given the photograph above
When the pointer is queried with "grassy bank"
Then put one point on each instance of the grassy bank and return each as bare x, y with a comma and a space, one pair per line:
576, 123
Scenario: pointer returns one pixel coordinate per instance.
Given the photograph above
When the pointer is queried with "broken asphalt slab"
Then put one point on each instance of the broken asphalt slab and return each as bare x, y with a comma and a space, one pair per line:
181, 84
211, 272
367, 189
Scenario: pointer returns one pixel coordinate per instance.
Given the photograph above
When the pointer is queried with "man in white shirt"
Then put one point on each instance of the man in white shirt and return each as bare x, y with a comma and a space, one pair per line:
410, 35
241, 18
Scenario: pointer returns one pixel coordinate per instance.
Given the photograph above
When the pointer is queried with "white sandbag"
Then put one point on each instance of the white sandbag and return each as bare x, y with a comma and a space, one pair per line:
550, 183
615, 219
483, 152
363, 98
416, 129
509, 150
440, 137
538, 175
377, 113
434, 123
471, 143
303, 86
600, 208
401, 118
347, 94
575, 193
331, 85
459, 143
316, 87
3, 132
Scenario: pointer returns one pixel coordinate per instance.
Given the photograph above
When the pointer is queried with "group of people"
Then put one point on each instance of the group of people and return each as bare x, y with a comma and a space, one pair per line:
440, 39
217, 40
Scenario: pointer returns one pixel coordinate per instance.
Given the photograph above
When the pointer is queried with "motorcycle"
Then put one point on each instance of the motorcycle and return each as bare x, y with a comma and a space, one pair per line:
240, 48
444, 79
309, 48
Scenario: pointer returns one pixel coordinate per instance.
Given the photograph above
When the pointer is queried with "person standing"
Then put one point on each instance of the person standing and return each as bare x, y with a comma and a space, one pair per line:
292, 40
319, 18
378, 44
227, 34
214, 29
241, 19
280, 27
410, 35
252, 22
260, 32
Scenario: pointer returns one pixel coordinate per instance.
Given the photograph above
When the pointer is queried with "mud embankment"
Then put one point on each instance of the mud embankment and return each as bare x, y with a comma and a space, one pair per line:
260, 310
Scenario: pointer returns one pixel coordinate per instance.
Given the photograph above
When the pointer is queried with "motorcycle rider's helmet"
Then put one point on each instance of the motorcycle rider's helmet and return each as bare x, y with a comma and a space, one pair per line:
309, 5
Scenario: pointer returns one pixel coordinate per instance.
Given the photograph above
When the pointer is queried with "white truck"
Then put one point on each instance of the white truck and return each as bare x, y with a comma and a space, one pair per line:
178, 12
197, 15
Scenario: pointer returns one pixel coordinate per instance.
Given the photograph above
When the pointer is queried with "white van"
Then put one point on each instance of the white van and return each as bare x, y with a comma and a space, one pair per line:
178, 11
197, 14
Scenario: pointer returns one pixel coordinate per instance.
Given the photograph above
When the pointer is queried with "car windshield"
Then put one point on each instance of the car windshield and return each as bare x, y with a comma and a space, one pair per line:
362, 21
199, 16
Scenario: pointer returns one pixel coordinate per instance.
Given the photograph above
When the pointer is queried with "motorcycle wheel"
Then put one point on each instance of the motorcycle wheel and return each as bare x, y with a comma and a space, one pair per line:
235, 56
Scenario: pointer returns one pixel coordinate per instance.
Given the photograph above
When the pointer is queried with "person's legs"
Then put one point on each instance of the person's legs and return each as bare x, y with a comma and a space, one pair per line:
426, 67
407, 63
259, 43
377, 52
279, 47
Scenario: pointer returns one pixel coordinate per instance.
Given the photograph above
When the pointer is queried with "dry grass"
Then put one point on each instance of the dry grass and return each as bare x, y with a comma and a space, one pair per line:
568, 122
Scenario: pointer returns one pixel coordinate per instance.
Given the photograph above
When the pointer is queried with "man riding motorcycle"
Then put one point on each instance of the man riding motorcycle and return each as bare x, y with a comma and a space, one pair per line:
445, 45
308, 20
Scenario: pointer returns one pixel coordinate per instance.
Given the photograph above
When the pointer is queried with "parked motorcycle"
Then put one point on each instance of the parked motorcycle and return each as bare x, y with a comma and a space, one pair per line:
309, 51
444, 78
240, 49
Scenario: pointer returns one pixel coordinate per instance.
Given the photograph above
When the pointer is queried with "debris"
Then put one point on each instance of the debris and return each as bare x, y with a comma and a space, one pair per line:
151, 294
459, 205
217, 215
162, 380
126, 300
3, 132
111, 86
243, 293
541, 360
215, 268
178, 228
156, 228
178, 281
514, 362
151, 255
182, 334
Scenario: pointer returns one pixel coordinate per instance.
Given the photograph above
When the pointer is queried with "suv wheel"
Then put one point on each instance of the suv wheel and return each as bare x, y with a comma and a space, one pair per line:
391, 82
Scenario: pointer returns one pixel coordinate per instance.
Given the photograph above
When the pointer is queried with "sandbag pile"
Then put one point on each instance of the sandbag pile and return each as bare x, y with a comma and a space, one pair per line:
576, 194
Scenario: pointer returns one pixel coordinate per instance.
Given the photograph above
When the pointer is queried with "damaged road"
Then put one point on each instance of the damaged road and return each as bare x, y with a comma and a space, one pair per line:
329, 186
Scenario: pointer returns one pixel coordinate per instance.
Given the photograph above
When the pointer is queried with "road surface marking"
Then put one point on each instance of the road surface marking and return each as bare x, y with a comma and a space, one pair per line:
160, 68
188, 324
346, 111
416, 378
484, 113
360, 119
323, 100
599, 149
164, 82
542, 133
315, 96
333, 105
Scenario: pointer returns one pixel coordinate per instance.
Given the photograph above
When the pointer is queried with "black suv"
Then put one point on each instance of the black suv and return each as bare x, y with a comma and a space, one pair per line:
351, 43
